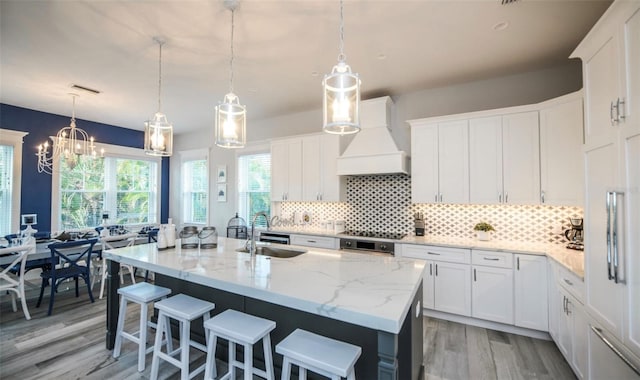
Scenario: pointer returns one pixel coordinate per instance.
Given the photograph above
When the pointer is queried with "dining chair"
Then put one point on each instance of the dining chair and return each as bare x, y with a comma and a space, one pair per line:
73, 260
11, 283
112, 242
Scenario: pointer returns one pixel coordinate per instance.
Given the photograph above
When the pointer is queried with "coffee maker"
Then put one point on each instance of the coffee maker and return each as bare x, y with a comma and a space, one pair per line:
575, 234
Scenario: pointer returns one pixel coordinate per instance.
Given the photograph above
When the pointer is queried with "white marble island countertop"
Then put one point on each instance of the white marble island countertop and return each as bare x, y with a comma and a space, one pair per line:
368, 290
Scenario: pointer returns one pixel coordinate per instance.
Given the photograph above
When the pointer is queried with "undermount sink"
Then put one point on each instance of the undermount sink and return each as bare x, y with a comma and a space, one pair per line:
281, 253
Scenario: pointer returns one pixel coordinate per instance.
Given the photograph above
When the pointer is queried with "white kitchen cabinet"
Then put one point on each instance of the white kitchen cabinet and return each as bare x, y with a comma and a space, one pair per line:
320, 179
286, 170
561, 165
447, 280
315, 241
504, 159
492, 286
611, 69
440, 170
530, 292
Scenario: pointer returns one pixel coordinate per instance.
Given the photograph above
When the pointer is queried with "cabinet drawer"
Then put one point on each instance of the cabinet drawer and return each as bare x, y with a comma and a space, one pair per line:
429, 252
314, 241
572, 283
492, 258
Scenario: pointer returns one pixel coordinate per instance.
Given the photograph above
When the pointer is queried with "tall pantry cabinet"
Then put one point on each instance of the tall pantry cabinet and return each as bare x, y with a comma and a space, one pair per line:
611, 69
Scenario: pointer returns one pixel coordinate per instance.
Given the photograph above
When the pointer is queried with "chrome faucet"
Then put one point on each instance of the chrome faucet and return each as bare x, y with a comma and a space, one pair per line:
252, 246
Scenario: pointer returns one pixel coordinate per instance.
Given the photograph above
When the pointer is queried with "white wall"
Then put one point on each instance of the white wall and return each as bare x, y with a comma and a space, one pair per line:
507, 91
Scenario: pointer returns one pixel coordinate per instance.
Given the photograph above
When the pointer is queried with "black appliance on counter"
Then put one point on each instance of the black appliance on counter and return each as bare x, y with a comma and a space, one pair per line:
370, 242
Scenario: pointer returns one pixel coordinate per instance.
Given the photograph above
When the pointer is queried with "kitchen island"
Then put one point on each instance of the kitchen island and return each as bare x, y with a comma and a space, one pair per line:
372, 301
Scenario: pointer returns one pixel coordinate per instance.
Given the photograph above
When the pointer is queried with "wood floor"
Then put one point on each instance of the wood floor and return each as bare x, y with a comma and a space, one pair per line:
70, 345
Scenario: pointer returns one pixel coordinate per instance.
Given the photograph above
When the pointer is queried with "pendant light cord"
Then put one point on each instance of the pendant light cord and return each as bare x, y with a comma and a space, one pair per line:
341, 57
73, 111
231, 60
160, 76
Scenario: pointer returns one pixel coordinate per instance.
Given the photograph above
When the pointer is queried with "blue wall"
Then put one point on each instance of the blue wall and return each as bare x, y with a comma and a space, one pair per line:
36, 187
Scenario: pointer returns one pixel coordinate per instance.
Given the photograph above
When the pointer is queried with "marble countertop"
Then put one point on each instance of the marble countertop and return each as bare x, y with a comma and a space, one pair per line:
367, 290
569, 258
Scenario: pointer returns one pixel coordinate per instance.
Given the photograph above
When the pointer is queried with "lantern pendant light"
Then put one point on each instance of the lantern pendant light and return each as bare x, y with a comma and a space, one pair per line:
158, 132
341, 98
231, 116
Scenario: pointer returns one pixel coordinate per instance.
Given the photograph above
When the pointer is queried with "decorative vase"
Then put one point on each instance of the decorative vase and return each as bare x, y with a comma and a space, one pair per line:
483, 235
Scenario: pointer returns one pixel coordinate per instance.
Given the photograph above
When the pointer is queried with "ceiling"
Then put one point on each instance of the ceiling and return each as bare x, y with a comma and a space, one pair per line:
282, 49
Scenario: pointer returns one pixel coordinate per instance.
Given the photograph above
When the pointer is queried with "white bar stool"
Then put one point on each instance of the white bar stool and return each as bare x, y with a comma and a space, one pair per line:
143, 294
244, 329
325, 356
184, 309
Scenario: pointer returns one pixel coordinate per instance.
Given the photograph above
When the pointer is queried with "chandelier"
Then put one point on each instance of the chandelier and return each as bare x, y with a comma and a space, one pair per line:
158, 132
70, 143
341, 98
231, 116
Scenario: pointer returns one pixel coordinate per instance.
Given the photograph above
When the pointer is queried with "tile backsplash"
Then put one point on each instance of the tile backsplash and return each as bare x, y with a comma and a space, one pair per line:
383, 203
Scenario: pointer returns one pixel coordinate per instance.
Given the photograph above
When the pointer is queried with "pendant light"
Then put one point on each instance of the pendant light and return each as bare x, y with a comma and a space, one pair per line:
70, 143
341, 98
231, 116
158, 132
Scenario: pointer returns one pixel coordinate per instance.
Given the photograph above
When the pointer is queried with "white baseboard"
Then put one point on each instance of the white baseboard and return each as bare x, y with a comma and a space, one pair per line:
487, 324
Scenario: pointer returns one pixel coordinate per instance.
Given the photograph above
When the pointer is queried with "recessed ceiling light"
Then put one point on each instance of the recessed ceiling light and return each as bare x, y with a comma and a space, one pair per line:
314, 74
502, 25
382, 56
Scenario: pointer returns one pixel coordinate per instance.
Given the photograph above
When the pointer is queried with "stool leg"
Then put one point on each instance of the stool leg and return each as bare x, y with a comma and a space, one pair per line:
268, 357
184, 349
286, 369
232, 359
351, 375
120, 327
142, 344
155, 362
210, 371
248, 361
102, 279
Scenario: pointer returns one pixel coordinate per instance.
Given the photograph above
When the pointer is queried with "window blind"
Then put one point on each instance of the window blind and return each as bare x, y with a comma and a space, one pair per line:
254, 186
6, 186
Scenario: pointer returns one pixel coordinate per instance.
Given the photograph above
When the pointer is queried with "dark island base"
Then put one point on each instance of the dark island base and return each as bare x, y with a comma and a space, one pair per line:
385, 356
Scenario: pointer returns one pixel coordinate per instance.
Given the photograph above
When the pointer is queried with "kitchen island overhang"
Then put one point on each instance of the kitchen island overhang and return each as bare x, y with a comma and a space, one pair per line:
369, 300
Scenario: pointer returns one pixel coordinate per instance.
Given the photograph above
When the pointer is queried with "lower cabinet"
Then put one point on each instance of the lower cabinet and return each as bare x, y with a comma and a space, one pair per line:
492, 294
530, 288
568, 324
447, 277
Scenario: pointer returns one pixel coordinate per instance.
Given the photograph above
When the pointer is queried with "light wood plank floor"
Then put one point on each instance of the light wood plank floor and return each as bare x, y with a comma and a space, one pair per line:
70, 345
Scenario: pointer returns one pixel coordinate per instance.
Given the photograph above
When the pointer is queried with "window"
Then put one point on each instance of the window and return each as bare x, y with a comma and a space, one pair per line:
195, 190
125, 186
254, 186
10, 180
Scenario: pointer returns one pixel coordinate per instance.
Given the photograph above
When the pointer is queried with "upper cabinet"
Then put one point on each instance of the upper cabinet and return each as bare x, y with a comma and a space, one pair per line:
504, 159
440, 173
320, 179
286, 170
561, 137
305, 169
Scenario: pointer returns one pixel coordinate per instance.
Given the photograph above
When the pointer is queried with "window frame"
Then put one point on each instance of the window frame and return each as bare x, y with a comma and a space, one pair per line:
262, 148
115, 151
15, 139
195, 155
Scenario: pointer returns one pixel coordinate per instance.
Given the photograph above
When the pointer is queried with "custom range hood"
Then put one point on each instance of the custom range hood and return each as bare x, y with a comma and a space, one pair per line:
373, 149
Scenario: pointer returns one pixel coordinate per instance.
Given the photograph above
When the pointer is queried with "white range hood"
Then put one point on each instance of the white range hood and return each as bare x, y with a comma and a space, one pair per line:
373, 149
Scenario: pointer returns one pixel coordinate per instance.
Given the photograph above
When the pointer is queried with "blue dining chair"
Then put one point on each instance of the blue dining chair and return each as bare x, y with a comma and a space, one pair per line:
74, 261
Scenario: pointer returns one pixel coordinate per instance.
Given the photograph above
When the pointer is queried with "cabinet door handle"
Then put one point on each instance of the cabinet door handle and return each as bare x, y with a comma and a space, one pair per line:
613, 120
517, 263
440, 197
436, 197
433, 253
564, 304
474, 275
499, 197
568, 282
436, 269
506, 197
568, 309
311, 241
491, 258
620, 114
609, 276
430, 269
542, 196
